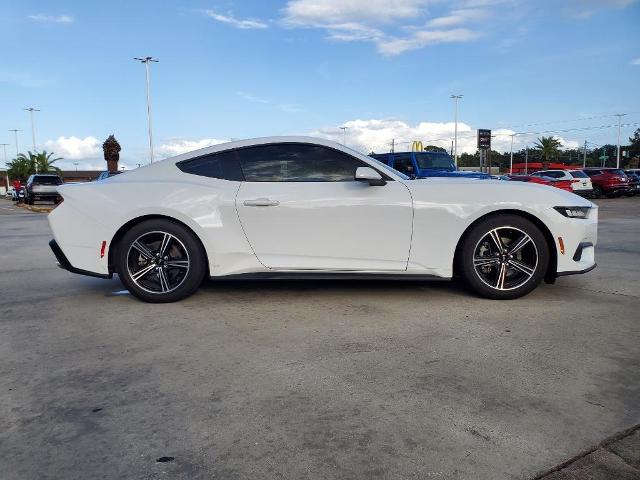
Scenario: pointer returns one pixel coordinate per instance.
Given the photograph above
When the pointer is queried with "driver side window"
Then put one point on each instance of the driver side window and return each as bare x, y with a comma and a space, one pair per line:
296, 162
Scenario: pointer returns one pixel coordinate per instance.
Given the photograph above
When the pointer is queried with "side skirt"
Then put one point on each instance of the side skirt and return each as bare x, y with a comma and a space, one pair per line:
328, 276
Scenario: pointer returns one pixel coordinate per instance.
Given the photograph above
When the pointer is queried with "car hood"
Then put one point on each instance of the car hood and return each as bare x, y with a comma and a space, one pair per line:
458, 190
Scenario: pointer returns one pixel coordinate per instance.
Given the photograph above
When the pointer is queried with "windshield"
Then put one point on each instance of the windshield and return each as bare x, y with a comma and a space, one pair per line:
435, 161
578, 174
392, 170
47, 180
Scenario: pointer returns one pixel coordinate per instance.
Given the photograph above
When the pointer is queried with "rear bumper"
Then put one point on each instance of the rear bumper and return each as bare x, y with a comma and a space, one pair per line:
620, 188
64, 263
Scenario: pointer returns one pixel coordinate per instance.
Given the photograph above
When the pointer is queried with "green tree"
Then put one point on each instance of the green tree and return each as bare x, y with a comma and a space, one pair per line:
549, 147
434, 148
634, 144
24, 165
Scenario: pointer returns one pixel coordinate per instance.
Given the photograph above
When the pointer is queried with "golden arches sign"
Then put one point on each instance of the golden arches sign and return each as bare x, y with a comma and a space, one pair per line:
416, 146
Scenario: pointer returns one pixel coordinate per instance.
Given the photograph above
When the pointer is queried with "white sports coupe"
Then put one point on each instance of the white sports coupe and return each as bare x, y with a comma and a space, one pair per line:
283, 207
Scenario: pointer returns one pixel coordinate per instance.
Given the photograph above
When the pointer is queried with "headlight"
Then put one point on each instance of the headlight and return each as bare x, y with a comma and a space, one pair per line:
574, 212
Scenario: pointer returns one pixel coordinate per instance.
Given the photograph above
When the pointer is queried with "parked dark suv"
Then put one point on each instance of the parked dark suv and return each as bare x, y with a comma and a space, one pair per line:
42, 186
634, 182
608, 181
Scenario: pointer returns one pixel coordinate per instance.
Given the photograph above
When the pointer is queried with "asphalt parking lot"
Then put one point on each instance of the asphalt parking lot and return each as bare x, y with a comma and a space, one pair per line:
328, 380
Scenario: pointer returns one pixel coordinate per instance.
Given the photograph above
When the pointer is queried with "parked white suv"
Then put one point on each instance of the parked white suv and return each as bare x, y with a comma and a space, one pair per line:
580, 181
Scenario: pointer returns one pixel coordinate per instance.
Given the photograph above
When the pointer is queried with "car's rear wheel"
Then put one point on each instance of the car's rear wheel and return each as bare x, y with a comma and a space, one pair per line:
160, 261
504, 257
597, 191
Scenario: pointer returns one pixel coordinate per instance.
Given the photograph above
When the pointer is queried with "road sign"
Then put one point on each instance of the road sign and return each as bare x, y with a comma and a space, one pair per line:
484, 139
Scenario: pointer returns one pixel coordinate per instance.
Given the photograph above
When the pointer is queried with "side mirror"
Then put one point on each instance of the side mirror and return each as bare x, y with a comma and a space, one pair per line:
370, 176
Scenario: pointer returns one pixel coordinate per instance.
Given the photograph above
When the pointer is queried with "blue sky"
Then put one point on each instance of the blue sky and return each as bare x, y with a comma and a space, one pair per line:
385, 68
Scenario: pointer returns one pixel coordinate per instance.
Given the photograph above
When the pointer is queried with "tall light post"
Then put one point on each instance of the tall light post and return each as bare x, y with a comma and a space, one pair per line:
15, 132
146, 61
455, 134
344, 135
4, 147
33, 127
619, 115
511, 155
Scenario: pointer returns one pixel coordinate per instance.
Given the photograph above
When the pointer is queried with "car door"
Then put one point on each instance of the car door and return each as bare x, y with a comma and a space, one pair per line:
301, 208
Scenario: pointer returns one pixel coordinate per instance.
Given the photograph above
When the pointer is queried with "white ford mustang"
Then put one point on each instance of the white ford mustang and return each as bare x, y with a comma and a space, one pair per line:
297, 206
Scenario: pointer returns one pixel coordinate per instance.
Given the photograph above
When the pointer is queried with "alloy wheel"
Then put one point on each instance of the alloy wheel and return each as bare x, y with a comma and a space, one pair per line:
505, 258
158, 262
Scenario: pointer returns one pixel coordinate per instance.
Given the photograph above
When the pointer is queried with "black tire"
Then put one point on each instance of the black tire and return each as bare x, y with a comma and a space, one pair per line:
521, 273
183, 247
30, 201
597, 191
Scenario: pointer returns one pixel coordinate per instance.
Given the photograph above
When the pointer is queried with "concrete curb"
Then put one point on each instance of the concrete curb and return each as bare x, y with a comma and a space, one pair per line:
609, 459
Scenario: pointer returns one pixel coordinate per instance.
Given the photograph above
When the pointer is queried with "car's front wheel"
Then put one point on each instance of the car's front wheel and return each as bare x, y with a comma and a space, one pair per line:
504, 257
160, 261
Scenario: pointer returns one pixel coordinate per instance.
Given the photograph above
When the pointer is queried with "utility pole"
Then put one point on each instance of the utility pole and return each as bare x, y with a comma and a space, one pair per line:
511, 154
15, 132
4, 147
344, 135
33, 128
393, 145
619, 115
455, 134
584, 155
146, 61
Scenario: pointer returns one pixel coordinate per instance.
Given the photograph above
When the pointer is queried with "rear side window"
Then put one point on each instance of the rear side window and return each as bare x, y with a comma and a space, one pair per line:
297, 162
616, 171
553, 174
578, 174
47, 180
591, 173
222, 165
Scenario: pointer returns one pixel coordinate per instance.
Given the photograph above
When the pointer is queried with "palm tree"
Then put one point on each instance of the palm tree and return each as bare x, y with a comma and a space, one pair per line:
549, 147
24, 165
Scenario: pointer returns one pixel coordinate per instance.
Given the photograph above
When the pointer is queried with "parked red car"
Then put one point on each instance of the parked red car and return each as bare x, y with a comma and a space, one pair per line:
562, 184
611, 182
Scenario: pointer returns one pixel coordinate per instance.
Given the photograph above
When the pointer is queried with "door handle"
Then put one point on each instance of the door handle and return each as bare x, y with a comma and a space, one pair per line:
261, 202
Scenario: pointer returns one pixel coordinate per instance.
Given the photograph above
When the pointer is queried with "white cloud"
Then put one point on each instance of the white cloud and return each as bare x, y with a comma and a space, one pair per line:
378, 21
457, 17
41, 17
178, 146
252, 98
635, 61
332, 12
245, 24
421, 39
74, 148
376, 135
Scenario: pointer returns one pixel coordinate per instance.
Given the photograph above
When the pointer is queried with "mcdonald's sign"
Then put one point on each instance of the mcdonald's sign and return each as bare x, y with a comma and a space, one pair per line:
416, 146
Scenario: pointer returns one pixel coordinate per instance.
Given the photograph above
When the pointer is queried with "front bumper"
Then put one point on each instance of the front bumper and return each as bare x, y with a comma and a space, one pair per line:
64, 263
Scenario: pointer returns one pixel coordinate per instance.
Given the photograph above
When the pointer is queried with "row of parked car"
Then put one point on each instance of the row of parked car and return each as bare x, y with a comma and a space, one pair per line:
589, 182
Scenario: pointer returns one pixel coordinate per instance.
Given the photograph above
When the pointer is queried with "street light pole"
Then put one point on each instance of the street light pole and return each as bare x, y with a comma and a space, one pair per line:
15, 132
146, 61
344, 135
33, 128
4, 147
584, 155
511, 155
619, 115
455, 134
